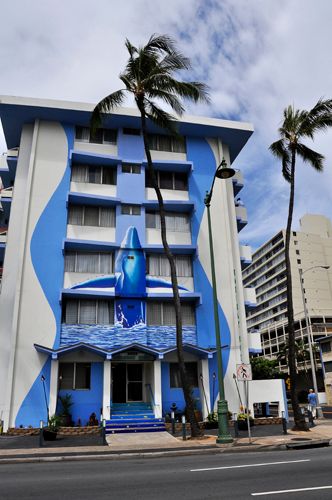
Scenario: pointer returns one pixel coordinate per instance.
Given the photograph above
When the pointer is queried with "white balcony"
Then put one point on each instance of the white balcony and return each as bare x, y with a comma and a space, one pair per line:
237, 180
153, 237
93, 189
168, 194
245, 255
3, 236
70, 279
186, 282
241, 217
99, 149
254, 342
91, 233
6, 193
250, 297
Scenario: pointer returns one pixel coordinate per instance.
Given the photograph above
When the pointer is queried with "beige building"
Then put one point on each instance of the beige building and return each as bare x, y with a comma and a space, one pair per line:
310, 250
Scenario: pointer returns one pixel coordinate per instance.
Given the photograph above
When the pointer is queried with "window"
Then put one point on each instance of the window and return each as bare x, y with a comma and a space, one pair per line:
131, 169
101, 136
326, 346
81, 215
160, 142
294, 233
89, 312
163, 313
74, 376
158, 265
131, 131
93, 174
130, 210
168, 180
174, 221
328, 366
174, 375
299, 261
297, 252
84, 262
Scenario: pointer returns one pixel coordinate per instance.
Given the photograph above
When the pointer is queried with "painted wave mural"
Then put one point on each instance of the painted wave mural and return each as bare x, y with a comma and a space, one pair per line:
114, 336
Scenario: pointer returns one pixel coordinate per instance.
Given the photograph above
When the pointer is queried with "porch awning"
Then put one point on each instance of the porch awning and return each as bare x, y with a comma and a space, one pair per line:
108, 354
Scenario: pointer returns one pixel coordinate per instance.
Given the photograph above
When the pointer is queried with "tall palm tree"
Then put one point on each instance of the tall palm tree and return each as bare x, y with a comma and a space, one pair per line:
149, 77
297, 126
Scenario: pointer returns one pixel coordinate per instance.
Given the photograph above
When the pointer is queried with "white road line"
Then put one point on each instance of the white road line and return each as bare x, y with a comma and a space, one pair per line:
291, 491
251, 465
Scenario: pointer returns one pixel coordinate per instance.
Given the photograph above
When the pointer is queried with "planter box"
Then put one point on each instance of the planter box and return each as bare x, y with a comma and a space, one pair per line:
243, 424
49, 435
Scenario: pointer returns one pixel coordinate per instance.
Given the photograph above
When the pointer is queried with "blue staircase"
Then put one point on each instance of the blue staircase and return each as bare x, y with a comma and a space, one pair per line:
133, 417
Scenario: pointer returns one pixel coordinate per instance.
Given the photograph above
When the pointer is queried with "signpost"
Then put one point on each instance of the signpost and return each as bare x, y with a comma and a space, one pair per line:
244, 374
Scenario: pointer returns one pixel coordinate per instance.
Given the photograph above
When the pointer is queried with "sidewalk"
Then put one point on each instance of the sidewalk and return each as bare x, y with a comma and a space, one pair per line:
157, 444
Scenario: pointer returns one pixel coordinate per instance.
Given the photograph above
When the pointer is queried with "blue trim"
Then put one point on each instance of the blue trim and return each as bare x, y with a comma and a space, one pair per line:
92, 199
91, 245
171, 206
87, 158
172, 165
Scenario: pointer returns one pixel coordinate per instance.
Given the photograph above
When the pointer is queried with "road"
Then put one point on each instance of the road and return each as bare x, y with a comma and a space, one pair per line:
226, 476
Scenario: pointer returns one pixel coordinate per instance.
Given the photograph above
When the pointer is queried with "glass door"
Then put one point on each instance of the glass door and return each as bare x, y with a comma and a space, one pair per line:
134, 382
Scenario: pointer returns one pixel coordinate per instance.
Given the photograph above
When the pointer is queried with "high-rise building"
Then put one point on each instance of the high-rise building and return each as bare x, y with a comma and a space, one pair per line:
311, 256
86, 303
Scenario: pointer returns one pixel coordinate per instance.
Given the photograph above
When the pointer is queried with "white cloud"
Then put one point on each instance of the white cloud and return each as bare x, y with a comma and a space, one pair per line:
257, 57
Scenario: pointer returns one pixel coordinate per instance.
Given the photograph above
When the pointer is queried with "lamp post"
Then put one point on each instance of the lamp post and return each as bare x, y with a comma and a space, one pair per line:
222, 172
309, 333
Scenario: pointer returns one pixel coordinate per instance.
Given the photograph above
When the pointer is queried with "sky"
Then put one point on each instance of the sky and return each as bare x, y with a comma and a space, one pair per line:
257, 57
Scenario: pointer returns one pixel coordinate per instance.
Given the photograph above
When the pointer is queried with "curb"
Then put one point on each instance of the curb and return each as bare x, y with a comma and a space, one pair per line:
116, 455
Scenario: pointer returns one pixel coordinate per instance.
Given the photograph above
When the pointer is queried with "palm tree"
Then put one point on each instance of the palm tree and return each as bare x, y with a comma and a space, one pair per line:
298, 125
149, 78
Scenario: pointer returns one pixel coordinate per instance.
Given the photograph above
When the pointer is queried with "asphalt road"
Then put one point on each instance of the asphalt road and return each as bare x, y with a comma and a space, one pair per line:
228, 476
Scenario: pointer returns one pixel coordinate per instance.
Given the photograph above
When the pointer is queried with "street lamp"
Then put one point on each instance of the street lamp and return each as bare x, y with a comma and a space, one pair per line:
309, 333
222, 172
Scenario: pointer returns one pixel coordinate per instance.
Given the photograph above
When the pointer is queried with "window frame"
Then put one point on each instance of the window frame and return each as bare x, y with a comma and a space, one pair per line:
76, 255
162, 313
74, 376
103, 171
133, 168
132, 207
104, 133
78, 302
148, 183
83, 208
157, 141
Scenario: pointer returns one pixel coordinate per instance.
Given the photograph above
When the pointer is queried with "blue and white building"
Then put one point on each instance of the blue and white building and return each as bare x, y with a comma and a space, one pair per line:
85, 299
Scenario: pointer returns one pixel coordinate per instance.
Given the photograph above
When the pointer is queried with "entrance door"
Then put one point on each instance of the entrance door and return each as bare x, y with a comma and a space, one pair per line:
127, 382
135, 382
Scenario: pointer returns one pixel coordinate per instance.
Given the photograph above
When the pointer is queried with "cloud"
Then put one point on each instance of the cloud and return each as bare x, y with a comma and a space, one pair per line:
257, 58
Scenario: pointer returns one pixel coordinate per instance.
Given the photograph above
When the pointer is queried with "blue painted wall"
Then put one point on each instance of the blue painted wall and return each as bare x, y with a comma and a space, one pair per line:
87, 401
46, 247
174, 395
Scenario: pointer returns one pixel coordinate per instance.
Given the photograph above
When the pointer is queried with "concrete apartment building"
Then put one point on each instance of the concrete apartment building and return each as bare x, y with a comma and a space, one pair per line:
310, 248
85, 303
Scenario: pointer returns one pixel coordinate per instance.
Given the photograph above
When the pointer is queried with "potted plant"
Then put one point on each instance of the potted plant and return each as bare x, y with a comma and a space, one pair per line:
50, 432
65, 415
242, 421
212, 421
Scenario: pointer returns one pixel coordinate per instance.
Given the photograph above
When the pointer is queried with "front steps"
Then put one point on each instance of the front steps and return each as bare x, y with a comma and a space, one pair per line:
133, 417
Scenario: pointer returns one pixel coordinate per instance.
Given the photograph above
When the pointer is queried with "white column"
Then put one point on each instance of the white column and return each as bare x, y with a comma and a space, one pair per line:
53, 386
157, 387
204, 386
107, 389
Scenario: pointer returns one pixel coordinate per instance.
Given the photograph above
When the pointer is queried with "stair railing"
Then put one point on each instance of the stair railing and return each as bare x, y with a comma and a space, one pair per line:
152, 397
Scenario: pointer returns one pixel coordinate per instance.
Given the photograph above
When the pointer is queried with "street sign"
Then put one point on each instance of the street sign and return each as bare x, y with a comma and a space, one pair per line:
243, 372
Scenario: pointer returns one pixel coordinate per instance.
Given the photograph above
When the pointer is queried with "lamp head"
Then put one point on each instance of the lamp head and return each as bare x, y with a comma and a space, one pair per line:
224, 172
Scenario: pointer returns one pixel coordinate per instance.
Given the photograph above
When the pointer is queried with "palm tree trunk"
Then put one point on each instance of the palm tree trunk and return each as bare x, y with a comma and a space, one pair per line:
299, 420
187, 391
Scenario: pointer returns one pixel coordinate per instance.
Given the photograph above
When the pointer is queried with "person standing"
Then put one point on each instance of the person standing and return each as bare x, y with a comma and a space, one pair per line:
312, 402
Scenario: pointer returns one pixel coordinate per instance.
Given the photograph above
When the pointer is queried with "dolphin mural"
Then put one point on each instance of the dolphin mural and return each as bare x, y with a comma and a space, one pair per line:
129, 281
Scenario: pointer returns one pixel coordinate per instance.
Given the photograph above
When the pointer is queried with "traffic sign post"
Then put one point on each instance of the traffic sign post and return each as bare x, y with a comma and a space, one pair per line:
244, 374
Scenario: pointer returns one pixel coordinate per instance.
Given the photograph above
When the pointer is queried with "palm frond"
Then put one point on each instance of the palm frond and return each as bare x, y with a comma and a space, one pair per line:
280, 150
318, 118
160, 117
131, 48
105, 106
194, 91
157, 43
316, 160
171, 99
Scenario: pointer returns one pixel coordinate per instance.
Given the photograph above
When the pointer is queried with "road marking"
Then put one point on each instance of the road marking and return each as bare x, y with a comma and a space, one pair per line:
251, 465
291, 491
